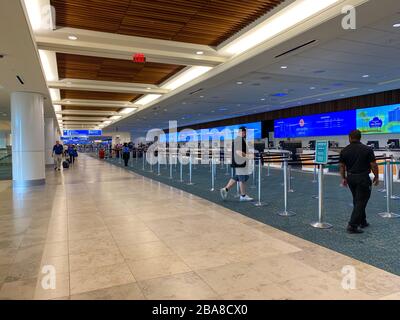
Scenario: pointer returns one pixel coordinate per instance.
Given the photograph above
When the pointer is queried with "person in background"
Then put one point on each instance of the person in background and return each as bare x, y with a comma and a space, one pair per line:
75, 153
356, 162
240, 165
125, 154
57, 155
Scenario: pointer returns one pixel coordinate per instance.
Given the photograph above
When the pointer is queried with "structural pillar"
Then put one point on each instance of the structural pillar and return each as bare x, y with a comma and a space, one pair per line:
28, 147
49, 140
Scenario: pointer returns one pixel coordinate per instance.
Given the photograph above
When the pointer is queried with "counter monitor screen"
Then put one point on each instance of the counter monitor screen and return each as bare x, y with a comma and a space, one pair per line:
393, 143
373, 144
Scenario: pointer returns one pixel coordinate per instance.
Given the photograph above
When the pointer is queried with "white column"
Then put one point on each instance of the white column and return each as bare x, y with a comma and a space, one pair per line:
27, 128
49, 140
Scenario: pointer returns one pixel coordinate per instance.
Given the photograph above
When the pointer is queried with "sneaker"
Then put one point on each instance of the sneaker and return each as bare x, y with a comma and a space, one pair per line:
224, 193
246, 198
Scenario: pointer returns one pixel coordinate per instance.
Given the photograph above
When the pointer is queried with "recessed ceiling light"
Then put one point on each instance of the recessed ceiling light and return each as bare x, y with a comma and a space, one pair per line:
365, 76
68, 101
239, 82
262, 99
148, 88
200, 52
396, 25
370, 90
284, 67
71, 37
312, 88
201, 96
69, 83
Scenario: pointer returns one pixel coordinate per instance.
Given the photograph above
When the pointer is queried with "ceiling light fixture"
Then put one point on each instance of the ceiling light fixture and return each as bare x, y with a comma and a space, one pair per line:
312, 88
287, 18
127, 110
185, 77
48, 70
148, 99
73, 38
284, 67
239, 82
365, 76
200, 52
115, 117
396, 25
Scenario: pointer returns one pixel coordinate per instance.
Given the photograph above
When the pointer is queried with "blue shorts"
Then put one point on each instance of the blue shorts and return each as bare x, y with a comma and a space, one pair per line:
239, 177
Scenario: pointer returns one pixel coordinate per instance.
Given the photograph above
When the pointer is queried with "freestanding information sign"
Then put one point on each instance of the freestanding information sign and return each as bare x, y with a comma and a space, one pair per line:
321, 152
321, 158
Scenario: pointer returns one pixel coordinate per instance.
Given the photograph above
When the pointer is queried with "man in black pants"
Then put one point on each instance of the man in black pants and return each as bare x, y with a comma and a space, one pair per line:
356, 162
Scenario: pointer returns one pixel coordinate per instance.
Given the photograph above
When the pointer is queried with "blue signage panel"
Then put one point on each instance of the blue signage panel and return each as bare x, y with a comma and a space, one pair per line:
325, 124
73, 133
321, 151
385, 119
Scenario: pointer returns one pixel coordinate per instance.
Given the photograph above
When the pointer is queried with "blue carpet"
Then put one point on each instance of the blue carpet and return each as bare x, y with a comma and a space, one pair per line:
377, 246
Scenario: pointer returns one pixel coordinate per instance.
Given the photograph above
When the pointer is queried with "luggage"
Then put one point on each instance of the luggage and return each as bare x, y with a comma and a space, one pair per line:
65, 164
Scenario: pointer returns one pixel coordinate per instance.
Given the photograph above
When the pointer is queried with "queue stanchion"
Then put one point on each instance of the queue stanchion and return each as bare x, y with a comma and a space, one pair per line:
170, 166
384, 178
315, 174
268, 167
290, 189
144, 159
158, 164
285, 212
320, 224
390, 181
253, 184
227, 168
180, 171
190, 170
388, 213
212, 174
259, 203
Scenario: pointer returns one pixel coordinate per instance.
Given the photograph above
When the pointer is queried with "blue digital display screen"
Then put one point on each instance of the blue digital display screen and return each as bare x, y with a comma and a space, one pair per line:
385, 119
325, 124
72, 133
216, 132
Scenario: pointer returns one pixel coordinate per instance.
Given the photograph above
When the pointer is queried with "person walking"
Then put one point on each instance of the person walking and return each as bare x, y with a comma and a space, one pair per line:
356, 162
57, 155
240, 165
125, 154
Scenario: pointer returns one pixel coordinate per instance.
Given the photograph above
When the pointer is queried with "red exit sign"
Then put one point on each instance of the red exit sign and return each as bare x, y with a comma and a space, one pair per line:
139, 58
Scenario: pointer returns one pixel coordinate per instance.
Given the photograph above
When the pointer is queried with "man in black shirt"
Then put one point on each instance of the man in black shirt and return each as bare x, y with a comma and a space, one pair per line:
356, 162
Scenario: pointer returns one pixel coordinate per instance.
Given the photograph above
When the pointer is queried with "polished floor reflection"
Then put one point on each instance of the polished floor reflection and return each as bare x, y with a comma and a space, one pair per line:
106, 233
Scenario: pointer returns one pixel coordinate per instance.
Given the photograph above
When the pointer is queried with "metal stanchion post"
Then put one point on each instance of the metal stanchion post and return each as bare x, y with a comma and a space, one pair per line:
253, 185
180, 171
384, 178
170, 166
290, 189
388, 213
268, 165
212, 174
315, 174
320, 224
285, 213
259, 203
158, 164
391, 165
190, 170
144, 156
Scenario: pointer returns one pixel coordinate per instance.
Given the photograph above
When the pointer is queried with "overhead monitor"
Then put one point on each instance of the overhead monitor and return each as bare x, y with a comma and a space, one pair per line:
325, 124
379, 120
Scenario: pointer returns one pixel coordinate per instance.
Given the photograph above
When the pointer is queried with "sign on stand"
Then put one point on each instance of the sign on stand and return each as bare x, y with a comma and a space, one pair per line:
321, 151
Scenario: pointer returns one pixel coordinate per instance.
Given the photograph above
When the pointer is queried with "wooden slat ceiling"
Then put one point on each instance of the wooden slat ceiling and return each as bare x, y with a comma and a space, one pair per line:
107, 69
207, 22
97, 95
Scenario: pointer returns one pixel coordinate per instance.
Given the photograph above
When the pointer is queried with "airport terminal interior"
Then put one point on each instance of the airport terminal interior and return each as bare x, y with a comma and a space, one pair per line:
119, 129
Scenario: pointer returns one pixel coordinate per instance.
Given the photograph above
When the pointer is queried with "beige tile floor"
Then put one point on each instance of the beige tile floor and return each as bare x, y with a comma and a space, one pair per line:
110, 234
